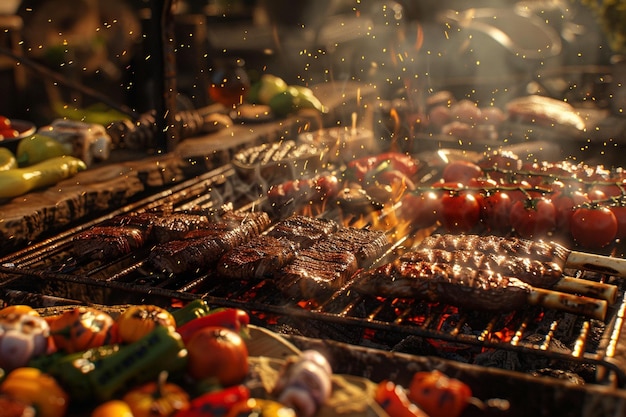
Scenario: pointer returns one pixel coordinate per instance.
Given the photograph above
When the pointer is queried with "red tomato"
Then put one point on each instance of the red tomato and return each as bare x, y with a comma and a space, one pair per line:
218, 353
5, 123
9, 133
495, 211
421, 210
620, 215
593, 227
439, 395
460, 211
596, 195
461, 171
565, 203
616, 189
533, 217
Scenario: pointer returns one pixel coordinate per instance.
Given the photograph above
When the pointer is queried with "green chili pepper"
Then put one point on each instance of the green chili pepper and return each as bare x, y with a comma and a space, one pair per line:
7, 160
38, 148
18, 181
99, 374
192, 310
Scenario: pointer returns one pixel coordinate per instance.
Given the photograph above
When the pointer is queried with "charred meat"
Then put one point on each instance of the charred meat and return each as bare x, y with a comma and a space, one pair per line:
109, 242
479, 289
304, 231
258, 258
200, 251
537, 250
314, 272
541, 274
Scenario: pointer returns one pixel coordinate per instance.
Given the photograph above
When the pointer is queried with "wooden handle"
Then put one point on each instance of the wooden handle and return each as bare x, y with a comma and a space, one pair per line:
587, 288
597, 263
577, 304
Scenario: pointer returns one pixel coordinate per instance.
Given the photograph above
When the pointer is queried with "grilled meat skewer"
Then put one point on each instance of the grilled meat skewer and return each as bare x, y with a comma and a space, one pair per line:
540, 274
539, 250
466, 287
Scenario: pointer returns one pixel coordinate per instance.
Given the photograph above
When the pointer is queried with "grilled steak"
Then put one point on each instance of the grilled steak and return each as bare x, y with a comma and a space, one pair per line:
537, 250
115, 237
367, 245
108, 242
304, 231
314, 272
479, 289
258, 258
207, 246
173, 226
535, 273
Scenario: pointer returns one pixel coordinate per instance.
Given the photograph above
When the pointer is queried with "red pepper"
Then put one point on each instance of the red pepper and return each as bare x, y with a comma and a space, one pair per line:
367, 168
215, 403
232, 318
393, 399
438, 394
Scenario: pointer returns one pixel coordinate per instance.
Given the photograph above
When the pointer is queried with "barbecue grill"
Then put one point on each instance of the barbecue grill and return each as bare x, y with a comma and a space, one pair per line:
533, 340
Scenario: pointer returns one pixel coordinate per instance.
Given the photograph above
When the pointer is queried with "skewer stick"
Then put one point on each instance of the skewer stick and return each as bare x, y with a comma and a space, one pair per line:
597, 263
587, 288
586, 306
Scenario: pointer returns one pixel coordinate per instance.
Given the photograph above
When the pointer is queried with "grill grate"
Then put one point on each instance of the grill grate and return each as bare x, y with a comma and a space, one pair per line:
552, 338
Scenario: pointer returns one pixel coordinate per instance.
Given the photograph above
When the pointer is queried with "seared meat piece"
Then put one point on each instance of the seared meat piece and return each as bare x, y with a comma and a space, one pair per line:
367, 245
536, 273
479, 289
207, 246
260, 257
537, 250
188, 255
314, 272
172, 226
108, 242
304, 231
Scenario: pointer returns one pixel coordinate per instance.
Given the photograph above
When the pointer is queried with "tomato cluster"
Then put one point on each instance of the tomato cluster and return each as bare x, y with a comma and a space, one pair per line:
502, 196
7, 131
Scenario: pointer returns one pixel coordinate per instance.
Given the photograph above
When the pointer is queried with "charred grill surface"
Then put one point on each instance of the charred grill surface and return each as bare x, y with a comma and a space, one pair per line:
338, 312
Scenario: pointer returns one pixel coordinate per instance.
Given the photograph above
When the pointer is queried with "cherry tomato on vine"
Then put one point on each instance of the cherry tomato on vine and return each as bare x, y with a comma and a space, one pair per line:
565, 202
495, 211
593, 227
533, 217
460, 211
620, 215
616, 189
596, 195
461, 171
421, 209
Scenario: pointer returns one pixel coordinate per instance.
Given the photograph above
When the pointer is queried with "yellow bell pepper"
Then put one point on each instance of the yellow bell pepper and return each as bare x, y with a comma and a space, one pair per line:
38, 389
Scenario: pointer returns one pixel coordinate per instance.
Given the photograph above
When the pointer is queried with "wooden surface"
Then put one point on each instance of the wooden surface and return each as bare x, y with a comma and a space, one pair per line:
127, 177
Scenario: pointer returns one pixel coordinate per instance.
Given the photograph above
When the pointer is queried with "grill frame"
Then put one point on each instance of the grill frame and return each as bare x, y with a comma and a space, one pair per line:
21, 274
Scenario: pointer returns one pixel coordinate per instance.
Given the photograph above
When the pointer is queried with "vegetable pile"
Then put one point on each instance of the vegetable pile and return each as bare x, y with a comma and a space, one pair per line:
147, 361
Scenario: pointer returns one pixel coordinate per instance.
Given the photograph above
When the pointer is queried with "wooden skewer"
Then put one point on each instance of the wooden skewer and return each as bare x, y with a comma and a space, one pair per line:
577, 304
596, 263
587, 288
